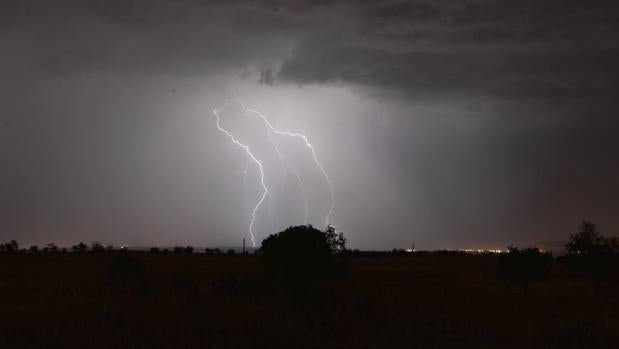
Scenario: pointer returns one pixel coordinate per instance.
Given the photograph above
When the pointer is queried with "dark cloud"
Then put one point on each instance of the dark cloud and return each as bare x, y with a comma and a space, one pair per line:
513, 50
144, 37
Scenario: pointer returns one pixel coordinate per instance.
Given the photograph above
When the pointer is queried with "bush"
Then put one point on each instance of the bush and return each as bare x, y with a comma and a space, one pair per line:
212, 251
81, 247
301, 256
97, 247
181, 249
11, 246
589, 251
589, 241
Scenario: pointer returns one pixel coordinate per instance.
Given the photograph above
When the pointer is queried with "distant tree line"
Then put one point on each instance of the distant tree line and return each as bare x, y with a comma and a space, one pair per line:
175, 250
11, 246
303, 255
51, 247
587, 251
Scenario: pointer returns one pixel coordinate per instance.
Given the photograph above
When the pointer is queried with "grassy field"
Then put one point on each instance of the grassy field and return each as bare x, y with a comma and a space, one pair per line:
191, 301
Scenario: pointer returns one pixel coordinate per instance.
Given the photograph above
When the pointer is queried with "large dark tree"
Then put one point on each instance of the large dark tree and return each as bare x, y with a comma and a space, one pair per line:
589, 241
590, 251
301, 256
335, 239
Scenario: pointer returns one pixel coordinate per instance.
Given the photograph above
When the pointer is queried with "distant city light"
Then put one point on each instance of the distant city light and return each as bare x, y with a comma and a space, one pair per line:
483, 251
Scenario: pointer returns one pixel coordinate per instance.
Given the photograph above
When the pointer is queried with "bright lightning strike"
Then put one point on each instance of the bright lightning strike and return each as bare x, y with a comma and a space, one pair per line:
285, 164
314, 156
265, 190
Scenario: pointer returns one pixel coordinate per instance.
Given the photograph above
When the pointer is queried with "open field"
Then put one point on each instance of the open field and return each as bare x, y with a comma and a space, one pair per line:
187, 301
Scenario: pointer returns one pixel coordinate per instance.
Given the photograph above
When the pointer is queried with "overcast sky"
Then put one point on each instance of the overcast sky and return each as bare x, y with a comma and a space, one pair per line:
448, 124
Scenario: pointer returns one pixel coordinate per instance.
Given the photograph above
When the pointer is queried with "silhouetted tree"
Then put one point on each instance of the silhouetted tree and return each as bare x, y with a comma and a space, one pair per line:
34, 248
212, 251
588, 250
181, 249
231, 252
51, 247
301, 256
96, 246
524, 266
154, 250
335, 239
587, 241
81, 247
11, 246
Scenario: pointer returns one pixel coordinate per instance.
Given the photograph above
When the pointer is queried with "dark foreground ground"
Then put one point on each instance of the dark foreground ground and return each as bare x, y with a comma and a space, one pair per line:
198, 301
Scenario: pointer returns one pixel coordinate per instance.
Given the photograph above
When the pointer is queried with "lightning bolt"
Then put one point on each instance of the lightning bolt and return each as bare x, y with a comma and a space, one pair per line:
253, 158
289, 164
285, 164
312, 150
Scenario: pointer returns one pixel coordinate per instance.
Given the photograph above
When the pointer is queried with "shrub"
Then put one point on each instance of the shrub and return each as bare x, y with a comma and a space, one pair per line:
589, 251
301, 256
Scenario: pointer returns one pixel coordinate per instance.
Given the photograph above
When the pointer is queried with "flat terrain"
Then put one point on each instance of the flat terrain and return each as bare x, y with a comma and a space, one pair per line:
190, 301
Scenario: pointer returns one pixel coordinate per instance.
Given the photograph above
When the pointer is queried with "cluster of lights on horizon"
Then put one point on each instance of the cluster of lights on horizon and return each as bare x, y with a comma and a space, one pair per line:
474, 250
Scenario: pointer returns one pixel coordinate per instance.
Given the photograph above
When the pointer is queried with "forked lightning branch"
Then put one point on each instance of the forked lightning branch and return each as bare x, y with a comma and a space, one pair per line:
286, 164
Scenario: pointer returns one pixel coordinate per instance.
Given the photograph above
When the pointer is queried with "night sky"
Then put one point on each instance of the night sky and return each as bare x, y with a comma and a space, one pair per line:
450, 124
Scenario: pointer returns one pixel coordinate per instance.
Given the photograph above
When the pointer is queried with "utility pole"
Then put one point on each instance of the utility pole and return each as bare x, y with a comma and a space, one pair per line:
243, 245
